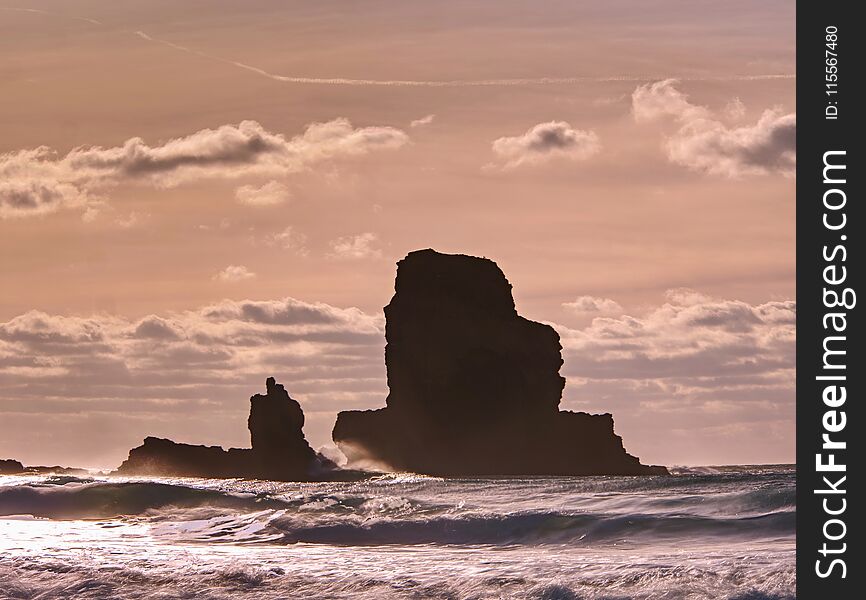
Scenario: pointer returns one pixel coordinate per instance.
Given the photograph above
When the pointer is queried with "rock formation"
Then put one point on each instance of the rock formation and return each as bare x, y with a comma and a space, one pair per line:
10, 467
474, 387
13, 467
276, 426
279, 450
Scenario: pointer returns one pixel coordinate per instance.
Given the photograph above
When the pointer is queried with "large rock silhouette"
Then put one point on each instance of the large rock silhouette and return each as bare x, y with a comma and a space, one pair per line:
276, 426
10, 466
279, 450
474, 387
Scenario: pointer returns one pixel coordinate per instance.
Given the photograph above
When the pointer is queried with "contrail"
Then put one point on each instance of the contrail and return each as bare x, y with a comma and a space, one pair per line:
488, 82
343, 81
39, 11
451, 82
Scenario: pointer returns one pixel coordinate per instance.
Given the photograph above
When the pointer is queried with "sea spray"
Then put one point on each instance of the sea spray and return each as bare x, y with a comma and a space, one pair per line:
703, 533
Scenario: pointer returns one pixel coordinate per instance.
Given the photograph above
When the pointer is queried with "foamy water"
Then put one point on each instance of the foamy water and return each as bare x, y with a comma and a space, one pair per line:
702, 533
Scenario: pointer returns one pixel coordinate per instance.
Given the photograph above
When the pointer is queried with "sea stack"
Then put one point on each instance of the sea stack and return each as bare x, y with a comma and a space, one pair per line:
279, 449
474, 387
276, 427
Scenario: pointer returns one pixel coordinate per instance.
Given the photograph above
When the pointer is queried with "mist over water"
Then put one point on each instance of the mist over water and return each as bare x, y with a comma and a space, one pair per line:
703, 533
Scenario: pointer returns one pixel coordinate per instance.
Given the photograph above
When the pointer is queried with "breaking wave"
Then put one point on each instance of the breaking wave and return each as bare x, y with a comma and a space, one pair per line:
720, 533
365, 514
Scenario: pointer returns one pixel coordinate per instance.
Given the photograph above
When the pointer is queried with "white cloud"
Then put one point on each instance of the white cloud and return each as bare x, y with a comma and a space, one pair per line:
693, 350
653, 101
357, 246
704, 143
544, 142
768, 146
426, 120
223, 341
268, 194
288, 239
38, 182
735, 110
233, 273
713, 378
91, 213
29, 189
686, 297
592, 306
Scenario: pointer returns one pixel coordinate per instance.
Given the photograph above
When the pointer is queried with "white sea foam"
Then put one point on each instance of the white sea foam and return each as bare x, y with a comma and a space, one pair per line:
724, 534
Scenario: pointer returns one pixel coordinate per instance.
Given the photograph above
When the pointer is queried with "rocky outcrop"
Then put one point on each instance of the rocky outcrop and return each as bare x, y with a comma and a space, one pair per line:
474, 387
10, 467
279, 450
13, 467
276, 426
57, 470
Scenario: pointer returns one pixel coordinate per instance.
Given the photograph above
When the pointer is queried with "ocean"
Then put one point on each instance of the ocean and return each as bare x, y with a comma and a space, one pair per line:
721, 533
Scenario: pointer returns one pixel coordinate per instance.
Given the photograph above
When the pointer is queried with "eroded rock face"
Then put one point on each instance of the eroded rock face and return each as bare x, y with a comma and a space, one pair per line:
279, 450
474, 387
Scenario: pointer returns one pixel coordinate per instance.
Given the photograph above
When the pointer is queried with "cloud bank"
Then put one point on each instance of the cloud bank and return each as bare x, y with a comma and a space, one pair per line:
689, 369
701, 372
706, 144
37, 181
87, 388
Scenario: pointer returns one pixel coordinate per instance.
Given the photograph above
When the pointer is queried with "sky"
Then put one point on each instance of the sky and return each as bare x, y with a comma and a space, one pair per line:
195, 196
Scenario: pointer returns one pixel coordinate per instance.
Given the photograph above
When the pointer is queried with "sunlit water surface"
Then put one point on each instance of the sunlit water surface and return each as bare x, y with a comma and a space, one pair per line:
703, 533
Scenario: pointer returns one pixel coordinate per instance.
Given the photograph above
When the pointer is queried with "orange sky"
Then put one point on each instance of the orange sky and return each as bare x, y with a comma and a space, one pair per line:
196, 155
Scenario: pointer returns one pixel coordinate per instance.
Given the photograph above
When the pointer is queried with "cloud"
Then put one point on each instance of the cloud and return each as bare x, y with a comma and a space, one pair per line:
130, 221
769, 146
357, 246
37, 181
343, 81
233, 273
288, 239
28, 186
691, 350
543, 142
653, 101
703, 143
426, 120
268, 194
689, 324
713, 378
157, 328
592, 306
735, 109
686, 370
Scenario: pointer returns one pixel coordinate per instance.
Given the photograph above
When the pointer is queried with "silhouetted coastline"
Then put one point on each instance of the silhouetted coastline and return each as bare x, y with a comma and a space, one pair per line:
474, 391
11, 466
